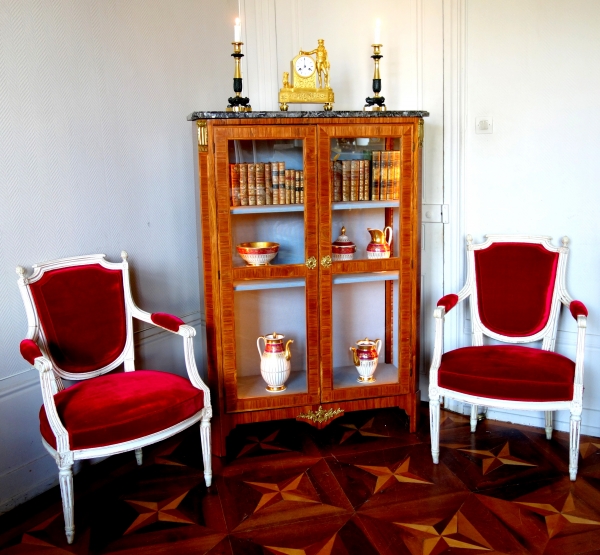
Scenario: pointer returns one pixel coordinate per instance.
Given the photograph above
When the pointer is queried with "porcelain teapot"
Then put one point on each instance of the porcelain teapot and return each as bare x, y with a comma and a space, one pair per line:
379, 247
366, 357
275, 363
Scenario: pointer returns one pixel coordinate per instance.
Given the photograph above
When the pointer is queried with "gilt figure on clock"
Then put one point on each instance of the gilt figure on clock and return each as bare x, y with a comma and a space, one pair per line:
305, 71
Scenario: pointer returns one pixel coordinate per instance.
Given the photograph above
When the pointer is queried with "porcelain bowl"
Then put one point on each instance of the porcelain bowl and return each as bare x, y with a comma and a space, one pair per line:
258, 253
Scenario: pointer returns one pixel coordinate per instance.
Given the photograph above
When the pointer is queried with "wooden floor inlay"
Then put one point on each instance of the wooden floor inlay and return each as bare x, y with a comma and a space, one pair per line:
363, 485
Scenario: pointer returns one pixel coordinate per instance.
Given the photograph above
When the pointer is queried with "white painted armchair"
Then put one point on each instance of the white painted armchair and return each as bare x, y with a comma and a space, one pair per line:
516, 285
80, 313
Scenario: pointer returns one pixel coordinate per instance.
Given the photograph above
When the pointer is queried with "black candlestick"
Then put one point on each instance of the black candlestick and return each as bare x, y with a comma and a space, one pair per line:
376, 103
238, 103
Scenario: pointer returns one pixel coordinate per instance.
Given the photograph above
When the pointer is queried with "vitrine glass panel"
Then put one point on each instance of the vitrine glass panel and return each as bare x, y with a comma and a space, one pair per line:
359, 312
262, 308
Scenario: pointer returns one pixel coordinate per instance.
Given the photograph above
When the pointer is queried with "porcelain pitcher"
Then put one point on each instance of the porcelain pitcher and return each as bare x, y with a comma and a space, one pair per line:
366, 357
379, 247
275, 363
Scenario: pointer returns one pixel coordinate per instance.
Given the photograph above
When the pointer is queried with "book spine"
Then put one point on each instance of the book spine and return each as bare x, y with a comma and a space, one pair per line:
275, 181
361, 180
302, 187
383, 180
354, 165
251, 184
297, 187
397, 174
281, 182
367, 173
234, 176
376, 175
244, 184
268, 183
261, 198
337, 181
288, 186
345, 180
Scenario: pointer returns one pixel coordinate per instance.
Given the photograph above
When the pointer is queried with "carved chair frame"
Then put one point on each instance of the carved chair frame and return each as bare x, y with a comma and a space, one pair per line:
547, 335
51, 380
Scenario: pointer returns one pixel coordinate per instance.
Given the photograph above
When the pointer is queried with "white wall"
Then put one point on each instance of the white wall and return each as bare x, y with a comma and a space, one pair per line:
532, 66
97, 156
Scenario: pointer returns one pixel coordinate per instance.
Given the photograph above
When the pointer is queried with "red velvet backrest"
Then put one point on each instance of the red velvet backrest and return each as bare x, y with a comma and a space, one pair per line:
82, 313
515, 283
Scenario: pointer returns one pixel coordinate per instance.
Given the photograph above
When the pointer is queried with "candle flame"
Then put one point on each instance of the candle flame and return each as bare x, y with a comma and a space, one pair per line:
237, 20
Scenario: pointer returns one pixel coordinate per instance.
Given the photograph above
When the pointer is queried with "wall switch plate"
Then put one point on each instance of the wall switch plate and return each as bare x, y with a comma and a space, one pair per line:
484, 124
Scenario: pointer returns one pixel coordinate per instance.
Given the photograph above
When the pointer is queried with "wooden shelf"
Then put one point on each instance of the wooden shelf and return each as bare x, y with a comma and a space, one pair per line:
267, 209
255, 285
364, 204
346, 376
254, 386
361, 278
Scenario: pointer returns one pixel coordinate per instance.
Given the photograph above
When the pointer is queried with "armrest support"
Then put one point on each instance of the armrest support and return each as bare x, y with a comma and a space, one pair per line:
44, 367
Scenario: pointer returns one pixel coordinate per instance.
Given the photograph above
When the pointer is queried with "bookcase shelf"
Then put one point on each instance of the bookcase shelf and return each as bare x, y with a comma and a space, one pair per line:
325, 306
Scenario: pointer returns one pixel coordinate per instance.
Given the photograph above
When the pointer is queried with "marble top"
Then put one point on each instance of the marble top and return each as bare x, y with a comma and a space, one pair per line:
314, 114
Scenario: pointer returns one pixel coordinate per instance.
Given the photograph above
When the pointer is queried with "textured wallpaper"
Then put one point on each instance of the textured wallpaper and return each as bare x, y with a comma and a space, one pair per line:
96, 154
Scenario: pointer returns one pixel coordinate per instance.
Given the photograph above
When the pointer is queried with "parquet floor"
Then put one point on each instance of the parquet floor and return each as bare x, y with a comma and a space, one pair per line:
363, 486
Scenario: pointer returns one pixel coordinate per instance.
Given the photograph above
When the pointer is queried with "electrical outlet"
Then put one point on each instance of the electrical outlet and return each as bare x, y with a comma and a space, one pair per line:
484, 124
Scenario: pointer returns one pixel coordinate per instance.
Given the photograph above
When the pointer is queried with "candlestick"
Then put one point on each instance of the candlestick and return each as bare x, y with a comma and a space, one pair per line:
375, 103
238, 103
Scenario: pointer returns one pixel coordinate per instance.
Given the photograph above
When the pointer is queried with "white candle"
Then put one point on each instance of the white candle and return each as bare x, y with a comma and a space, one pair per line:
237, 28
377, 31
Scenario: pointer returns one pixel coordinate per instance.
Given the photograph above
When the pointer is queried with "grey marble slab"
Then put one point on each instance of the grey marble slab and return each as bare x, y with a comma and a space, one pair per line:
314, 114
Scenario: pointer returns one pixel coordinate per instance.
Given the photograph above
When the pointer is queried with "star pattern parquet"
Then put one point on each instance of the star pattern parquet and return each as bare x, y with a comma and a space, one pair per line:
362, 485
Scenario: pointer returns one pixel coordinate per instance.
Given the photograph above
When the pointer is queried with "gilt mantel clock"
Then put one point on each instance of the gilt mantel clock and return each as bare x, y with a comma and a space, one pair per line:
306, 71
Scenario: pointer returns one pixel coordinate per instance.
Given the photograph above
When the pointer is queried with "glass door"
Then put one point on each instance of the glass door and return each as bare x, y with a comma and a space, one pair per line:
266, 220
367, 243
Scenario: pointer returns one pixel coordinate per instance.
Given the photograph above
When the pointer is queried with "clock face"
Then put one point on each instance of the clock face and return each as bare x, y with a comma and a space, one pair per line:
305, 66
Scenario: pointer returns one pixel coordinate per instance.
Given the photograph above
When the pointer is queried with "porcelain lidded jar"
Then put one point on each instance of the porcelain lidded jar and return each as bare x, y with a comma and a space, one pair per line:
275, 366
342, 248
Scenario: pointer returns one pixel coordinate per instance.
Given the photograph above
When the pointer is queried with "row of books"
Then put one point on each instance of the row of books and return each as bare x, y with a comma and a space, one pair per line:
375, 179
265, 183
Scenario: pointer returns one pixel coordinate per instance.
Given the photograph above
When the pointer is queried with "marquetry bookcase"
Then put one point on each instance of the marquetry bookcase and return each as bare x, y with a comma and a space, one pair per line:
324, 306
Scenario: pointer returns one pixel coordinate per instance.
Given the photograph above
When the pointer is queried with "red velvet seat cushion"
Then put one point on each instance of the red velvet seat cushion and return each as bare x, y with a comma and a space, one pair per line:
119, 407
508, 372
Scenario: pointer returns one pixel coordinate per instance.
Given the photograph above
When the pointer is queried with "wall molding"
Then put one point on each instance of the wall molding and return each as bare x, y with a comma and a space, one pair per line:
455, 102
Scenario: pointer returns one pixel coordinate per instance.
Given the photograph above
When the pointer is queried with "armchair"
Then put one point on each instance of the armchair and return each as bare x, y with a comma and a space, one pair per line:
79, 312
516, 285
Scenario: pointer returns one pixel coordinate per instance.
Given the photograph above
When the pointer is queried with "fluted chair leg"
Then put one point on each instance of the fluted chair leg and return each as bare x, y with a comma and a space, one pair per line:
473, 418
65, 477
139, 457
574, 446
434, 422
549, 415
206, 454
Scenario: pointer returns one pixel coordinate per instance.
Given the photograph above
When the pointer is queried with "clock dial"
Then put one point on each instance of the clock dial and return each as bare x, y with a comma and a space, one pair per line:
305, 66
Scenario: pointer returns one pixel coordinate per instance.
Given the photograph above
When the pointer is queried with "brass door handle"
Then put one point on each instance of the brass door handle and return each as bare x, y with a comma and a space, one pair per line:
311, 263
326, 261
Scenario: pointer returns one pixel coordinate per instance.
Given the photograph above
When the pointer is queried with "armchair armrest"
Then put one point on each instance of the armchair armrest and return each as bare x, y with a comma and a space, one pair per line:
448, 302
167, 321
577, 309
30, 350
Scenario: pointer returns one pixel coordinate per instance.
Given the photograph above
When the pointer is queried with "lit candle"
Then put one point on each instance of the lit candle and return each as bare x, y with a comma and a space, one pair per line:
377, 31
237, 30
